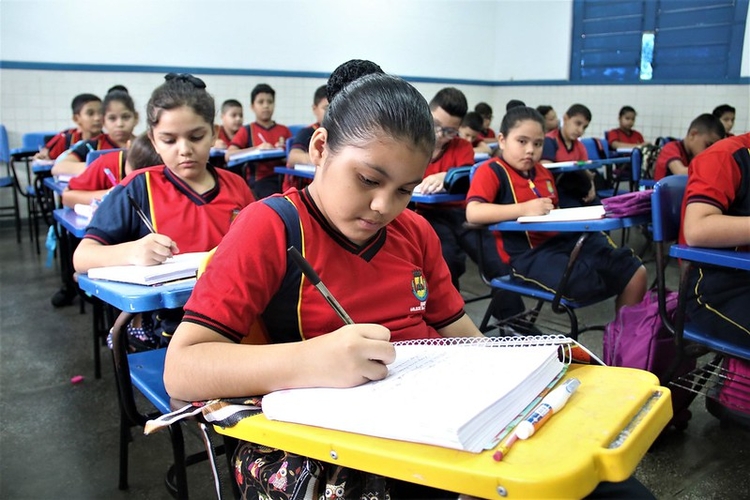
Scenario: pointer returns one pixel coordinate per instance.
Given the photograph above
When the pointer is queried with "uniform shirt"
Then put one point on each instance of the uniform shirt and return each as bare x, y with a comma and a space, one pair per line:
720, 176
397, 279
555, 149
619, 135
83, 148
673, 150
61, 142
224, 135
497, 182
254, 135
196, 222
488, 135
457, 153
94, 178
301, 141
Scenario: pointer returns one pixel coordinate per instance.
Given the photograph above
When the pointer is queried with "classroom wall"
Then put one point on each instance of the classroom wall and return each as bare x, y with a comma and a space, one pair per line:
494, 50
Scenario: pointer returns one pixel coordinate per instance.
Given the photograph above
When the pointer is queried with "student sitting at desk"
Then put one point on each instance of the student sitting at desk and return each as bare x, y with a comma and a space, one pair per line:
471, 129
575, 189
353, 217
517, 184
108, 170
726, 114
298, 152
87, 115
625, 136
675, 156
485, 111
120, 118
231, 123
551, 121
264, 133
190, 205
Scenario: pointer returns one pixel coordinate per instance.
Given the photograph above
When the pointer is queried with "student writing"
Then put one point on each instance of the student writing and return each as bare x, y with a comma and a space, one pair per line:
120, 118
517, 184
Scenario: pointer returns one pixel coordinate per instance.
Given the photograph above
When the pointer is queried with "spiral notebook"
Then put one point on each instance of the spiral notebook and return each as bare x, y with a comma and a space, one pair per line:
455, 393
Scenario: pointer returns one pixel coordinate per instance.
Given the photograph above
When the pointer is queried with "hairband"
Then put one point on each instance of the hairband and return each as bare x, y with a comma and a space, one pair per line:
185, 77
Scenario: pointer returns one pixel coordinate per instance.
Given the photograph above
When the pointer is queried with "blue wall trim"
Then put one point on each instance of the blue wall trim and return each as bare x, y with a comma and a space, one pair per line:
123, 68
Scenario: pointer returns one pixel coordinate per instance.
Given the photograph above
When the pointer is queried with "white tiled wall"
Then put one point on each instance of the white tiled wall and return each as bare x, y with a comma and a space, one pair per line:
32, 100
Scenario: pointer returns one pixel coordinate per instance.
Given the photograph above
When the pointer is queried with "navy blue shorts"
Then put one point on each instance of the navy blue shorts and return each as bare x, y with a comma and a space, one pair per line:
601, 270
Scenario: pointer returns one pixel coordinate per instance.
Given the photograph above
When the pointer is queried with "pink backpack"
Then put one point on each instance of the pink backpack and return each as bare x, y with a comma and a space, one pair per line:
732, 403
637, 338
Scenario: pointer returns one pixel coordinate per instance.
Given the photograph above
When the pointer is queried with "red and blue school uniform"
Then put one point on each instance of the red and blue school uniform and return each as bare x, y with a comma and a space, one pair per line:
572, 186
301, 142
540, 258
102, 141
94, 178
262, 178
488, 135
396, 279
195, 221
61, 142
627, 136
673, 150
224, 136
718, 297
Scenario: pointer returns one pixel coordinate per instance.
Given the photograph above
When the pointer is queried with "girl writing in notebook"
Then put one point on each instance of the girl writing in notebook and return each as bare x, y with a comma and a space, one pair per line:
189, 203
515, 185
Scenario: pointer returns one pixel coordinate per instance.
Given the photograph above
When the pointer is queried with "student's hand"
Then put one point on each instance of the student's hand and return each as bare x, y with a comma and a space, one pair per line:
265, 145
219, 144
281, 143
432, 183
153, 249
352, 355
591, 194
538, 206
43, 154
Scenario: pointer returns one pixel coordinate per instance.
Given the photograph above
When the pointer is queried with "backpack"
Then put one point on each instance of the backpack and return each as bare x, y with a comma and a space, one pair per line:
637, 338
729, 401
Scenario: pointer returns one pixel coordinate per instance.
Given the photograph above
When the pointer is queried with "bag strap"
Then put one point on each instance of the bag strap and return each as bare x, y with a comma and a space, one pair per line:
276, 317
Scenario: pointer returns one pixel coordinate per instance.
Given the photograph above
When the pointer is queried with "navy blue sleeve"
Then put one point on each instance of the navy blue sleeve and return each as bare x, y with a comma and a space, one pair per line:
82, 148
115, 221
302, 139
549, 151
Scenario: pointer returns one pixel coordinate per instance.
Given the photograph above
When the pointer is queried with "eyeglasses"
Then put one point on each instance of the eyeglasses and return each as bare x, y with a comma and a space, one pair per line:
186, 77
448, 132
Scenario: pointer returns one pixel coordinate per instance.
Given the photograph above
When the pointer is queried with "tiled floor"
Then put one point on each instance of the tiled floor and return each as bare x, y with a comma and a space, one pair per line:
60, 440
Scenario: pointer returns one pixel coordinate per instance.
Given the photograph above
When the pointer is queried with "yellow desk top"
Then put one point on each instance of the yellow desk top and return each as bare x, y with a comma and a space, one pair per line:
574, 451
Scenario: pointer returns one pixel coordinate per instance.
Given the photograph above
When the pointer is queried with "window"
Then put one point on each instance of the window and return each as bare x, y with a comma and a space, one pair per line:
695, 41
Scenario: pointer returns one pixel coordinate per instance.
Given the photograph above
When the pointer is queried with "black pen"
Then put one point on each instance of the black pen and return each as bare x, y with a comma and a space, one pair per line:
139, 211
308, 271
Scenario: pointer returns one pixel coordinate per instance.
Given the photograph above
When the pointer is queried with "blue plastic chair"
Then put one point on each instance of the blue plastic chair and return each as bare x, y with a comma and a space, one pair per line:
8, 183
666, 206
93, 155
296, 128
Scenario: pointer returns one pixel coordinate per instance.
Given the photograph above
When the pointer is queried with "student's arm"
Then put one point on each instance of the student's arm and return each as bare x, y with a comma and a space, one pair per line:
202, 364
478, 212
296, 156
462, 327
70, 165
432, 183
150, 250
677, 167
706, 226
219, 144
620, 144
482, 147
71, 197
43, 154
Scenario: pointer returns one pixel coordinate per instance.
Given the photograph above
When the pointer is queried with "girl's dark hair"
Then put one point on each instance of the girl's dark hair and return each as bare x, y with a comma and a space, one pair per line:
121, 97
177, 91
719, 111
519, 114
544, 109
346, 73
379, 104
141, 153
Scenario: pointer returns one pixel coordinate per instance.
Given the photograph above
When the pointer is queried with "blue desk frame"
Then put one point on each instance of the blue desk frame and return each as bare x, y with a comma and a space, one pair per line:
138, 298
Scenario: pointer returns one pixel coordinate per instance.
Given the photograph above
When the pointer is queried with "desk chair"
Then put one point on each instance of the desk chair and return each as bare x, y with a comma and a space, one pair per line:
666, 205
144, 371
598, 149
8, 183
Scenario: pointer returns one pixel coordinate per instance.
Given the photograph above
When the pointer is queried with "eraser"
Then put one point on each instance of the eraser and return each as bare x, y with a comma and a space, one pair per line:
77, 379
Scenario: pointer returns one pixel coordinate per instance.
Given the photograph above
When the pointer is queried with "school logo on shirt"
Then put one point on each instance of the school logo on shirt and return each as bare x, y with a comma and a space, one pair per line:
418, 285
550, 188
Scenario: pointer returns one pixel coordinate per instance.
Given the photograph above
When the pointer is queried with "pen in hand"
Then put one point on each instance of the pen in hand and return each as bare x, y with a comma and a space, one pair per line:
310, 273
111, 177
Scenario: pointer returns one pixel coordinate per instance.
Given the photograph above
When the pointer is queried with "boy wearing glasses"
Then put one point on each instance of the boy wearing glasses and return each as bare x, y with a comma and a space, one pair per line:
449, 107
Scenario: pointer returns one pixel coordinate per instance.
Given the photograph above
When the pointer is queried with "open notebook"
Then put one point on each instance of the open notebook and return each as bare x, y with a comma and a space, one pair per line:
453, 394
567, 214
184, 265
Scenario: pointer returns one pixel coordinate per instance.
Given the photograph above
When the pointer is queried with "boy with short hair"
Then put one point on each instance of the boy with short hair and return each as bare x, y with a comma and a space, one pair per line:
471, 130
675, 156
485, 110
726, 114
231, 122
298, 152
575, 189
448, 109
263, 133
87, 115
